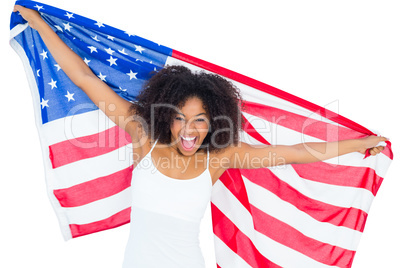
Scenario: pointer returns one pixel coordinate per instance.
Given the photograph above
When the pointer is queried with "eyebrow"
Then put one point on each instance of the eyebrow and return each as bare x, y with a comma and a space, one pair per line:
195, 115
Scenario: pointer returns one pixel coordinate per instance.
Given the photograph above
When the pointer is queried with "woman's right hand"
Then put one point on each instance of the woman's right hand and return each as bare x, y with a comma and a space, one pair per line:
31, 16
114, 106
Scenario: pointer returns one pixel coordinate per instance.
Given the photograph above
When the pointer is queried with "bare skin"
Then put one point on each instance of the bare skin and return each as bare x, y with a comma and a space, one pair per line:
175, 160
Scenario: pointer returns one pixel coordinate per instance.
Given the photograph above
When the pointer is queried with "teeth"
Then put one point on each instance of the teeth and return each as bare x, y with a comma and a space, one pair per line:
188, 138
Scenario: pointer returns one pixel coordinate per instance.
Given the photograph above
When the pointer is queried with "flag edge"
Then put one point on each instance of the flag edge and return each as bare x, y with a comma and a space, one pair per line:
63, 221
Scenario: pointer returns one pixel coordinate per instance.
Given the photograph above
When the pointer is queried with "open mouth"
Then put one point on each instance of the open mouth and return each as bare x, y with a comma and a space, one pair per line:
188, 143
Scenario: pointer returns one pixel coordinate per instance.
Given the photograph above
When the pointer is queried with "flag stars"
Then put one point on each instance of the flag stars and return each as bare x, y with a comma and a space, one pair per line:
52, 84
95, 38
102, 77
112, 61
110, 51
44, 104
129, 34
38, 7
110, 37
99, 24
132, 75
58, 67
69, 96
87, 61
69, 15
67, 26
44, 54
37, 73
122, 52
139, 48
92, 48
58, 28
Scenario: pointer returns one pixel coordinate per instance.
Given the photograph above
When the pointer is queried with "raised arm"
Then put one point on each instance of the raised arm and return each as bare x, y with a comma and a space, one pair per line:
115, 107
247, 156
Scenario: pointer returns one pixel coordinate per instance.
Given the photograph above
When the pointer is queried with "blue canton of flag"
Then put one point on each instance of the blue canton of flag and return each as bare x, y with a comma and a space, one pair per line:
121, 59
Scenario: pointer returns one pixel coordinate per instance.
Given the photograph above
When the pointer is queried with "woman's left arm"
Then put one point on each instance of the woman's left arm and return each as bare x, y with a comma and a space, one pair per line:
249, 156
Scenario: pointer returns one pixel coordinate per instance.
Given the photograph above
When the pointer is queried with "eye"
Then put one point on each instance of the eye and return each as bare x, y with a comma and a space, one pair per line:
200, 120
179, 118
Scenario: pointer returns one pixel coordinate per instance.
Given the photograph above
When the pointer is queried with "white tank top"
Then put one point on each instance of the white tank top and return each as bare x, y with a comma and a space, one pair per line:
165, 218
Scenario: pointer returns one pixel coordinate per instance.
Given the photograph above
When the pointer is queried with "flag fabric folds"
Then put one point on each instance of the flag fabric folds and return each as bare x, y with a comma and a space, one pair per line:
305, 215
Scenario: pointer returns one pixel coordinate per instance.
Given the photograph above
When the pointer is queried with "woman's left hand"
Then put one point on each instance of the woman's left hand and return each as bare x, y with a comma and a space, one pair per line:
370, 143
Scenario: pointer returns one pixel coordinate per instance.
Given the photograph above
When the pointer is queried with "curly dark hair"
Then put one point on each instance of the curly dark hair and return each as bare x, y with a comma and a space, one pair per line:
173, 86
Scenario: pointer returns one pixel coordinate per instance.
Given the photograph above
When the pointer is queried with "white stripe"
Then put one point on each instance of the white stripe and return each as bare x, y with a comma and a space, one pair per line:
245, 137
331, 194
16, 31
101, 209
272, 250
92, 168
276, 134
226, 258
75, 126
257, 96
378, 163
325, 232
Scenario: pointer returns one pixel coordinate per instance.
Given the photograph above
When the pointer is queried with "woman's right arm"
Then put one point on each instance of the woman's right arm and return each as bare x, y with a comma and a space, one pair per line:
115, 107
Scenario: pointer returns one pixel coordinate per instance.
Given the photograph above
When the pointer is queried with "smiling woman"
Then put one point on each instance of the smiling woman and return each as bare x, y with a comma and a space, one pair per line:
177, 103
190, 126
187, 118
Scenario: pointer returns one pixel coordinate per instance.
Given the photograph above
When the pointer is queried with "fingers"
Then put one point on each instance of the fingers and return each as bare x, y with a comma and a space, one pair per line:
17, 8
376, 150
383, 139
30, 15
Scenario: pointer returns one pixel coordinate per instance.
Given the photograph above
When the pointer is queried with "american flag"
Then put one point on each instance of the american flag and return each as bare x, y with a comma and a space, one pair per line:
309, 215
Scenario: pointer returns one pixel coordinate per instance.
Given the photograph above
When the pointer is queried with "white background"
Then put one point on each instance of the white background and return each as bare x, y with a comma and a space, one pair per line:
342, 54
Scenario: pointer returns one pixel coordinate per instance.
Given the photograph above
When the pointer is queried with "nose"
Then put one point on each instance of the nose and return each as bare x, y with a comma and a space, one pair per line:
189, 127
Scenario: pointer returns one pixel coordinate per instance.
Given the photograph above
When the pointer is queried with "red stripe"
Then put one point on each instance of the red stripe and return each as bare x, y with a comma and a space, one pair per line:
271, 90
233, 181
114, 221
94, 190
238, 241
299, 123
349, 176
73, 150
339, 216
248, 127
292, 238
387, 150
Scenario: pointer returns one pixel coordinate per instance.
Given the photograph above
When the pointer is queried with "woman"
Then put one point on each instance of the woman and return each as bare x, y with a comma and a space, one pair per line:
178, 126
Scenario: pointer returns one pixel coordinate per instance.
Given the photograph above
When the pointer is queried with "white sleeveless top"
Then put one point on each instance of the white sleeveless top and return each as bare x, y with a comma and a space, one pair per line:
165, 218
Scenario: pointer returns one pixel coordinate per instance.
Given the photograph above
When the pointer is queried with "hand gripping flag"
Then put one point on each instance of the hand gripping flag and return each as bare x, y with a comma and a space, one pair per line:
304, 215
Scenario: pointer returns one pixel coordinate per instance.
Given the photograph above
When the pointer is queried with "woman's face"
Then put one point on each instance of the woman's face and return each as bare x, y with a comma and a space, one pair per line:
189, 127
